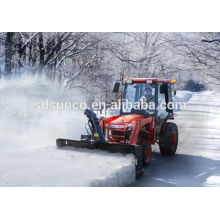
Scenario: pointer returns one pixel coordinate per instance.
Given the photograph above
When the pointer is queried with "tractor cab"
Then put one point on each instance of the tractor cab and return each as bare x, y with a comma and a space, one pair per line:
138, 98
146, 96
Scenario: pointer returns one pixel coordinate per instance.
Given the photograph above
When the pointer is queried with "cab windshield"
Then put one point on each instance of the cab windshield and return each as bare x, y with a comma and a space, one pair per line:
138, 97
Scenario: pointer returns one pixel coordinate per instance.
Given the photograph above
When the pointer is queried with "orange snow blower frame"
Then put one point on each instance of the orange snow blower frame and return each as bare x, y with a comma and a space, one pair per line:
133, 131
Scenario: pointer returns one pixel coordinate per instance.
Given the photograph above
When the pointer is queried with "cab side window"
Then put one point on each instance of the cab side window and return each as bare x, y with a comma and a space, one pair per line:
162, 112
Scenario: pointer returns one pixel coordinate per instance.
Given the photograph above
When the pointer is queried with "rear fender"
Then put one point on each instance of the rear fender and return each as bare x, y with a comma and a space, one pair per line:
164, 124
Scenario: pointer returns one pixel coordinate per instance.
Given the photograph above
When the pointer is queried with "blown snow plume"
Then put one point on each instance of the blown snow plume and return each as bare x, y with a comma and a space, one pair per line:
28, 155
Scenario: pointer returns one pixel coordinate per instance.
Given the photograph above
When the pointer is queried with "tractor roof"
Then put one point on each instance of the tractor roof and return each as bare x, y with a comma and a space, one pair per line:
144, 80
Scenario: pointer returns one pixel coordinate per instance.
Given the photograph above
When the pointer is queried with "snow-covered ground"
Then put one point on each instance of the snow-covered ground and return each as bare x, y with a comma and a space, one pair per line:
197, 162
28, 155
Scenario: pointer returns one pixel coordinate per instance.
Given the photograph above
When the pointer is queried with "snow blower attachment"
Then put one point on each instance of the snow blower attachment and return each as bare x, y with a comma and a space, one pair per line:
133, 131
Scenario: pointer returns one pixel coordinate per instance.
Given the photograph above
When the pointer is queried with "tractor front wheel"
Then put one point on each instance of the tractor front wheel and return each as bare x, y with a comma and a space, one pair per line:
146, 153
169, 139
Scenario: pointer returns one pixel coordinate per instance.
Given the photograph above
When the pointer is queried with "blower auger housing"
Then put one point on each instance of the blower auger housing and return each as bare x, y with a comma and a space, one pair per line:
134, 130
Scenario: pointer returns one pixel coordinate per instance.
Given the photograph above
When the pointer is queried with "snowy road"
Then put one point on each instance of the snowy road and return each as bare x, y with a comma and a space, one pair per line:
197, 162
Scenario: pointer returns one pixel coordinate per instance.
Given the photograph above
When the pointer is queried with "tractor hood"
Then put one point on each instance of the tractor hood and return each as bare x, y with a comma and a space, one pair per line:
127, 119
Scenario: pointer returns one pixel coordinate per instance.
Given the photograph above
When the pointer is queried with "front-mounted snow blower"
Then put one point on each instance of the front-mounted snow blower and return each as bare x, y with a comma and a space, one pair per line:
134, 130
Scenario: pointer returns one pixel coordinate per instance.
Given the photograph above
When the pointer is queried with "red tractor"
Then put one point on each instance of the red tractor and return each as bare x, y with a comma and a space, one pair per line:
146, 107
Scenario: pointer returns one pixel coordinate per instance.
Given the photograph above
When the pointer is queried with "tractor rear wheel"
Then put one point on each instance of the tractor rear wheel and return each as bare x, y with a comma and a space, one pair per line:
169, 139
146, 155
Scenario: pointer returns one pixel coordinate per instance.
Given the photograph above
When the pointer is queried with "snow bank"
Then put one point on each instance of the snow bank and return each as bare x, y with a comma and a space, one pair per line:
213, 181
69, 167
28, 155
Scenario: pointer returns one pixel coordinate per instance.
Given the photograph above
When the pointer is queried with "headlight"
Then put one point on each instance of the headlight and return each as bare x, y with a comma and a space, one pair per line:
117, 126
129, 125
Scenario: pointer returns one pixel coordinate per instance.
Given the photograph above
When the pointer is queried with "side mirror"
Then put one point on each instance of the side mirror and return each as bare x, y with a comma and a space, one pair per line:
116, 87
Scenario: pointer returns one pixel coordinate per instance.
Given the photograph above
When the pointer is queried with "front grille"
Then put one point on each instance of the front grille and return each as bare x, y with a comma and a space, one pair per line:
117, 133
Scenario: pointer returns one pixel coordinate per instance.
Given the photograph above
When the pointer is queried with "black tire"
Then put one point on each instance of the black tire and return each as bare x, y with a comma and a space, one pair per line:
146, 154
169, 139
